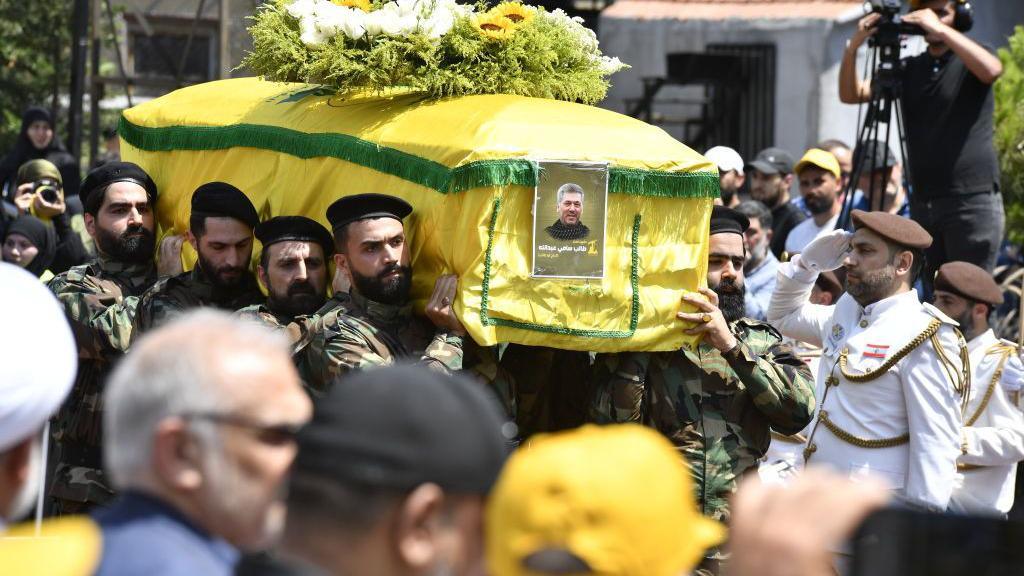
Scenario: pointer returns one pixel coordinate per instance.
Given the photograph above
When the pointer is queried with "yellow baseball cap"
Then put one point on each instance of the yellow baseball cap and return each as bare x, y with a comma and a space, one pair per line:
822, 159
69, 546
611, 500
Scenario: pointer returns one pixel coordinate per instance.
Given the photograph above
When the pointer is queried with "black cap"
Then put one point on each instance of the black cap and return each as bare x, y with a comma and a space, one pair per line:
222, 200
99, 178
876, 154
398, 427
365, 206
773, 161
728, 220
282, 228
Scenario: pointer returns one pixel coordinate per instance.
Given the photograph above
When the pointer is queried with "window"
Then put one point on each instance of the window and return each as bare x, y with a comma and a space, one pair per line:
159, 49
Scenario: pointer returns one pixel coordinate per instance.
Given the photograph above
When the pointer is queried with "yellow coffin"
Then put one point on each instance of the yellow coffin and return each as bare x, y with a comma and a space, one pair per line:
467, 166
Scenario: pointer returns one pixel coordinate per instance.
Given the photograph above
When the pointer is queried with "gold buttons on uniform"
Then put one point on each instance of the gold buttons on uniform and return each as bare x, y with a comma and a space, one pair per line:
863, 323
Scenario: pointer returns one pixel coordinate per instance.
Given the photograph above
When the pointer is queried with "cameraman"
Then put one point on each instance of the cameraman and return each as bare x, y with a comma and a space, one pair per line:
947, 106
40, 192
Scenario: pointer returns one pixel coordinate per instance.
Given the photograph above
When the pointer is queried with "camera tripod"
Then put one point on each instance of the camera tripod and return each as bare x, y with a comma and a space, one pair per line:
883, 116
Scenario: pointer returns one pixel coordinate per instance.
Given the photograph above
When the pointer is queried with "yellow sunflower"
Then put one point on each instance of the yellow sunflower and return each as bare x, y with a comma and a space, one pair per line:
494, 26
363, 5
515, 12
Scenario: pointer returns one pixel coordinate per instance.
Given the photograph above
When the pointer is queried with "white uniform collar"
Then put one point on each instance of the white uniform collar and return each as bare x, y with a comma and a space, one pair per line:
982, 341
877, 309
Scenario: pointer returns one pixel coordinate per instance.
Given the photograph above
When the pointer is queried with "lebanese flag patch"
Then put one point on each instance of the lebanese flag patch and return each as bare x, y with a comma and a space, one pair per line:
875, 351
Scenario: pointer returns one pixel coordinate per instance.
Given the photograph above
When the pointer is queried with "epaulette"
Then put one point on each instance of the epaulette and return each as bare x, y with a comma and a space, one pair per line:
759, 325
939, 314
1007, 343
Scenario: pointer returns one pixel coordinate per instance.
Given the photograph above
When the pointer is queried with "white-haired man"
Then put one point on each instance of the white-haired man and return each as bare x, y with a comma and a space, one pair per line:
199, 433
569, 207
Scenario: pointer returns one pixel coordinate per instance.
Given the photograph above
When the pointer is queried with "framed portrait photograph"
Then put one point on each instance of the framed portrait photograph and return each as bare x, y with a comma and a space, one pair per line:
569, 217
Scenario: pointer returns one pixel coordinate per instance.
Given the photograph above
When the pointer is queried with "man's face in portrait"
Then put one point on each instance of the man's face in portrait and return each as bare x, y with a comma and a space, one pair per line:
570, 208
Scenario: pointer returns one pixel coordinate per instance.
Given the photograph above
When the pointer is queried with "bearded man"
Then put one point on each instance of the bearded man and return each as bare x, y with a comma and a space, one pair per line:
100, 301
221, 232
719, 401
293, 267
373, 325
893, 374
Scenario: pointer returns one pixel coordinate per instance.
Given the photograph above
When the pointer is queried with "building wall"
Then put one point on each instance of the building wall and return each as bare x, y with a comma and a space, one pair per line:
807, 106
238, 10
801, 54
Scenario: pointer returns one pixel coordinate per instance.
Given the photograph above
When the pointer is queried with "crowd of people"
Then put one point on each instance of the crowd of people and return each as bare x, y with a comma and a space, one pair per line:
189, 422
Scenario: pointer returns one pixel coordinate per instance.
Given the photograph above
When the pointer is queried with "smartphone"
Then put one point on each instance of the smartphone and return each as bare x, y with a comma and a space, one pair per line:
900, 542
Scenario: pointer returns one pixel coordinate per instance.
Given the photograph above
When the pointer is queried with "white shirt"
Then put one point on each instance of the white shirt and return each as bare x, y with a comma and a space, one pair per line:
994, 443
803, 233
915, 396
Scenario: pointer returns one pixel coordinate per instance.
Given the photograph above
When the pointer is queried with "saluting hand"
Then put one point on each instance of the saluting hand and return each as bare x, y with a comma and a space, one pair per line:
440, 309
709, 321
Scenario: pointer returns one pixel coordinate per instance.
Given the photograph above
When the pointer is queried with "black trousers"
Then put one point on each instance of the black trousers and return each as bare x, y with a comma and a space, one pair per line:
967, 227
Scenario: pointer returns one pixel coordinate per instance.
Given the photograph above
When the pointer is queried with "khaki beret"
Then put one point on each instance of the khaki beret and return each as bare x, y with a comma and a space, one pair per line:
902, 231
968, 281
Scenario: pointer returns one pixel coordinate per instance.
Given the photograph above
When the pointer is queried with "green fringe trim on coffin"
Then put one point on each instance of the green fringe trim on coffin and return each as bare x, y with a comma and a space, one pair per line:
634, 279
426, 173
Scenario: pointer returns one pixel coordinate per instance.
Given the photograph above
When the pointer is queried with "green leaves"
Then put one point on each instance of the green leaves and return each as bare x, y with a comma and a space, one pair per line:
548, 57
1009, 133
35, 58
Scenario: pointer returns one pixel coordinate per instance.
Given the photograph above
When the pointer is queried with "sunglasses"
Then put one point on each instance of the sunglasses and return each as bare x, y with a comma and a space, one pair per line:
272, 434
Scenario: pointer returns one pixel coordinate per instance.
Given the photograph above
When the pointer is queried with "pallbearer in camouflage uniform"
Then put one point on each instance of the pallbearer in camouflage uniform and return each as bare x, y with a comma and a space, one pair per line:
374, 324
293, 268
992, 439
893, 373
99, 299
719, 401
221, 231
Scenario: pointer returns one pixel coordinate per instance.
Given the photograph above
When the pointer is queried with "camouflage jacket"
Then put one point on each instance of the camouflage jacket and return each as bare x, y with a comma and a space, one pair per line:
100, 301
354, 333
296, 328
172, 296
718, 409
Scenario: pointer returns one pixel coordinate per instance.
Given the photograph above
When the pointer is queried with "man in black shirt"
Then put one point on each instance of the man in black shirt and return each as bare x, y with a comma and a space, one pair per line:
947, 108
771, 175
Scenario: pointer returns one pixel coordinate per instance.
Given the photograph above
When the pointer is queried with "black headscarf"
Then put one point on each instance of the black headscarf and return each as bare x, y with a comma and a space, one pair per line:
24, 151
41, 235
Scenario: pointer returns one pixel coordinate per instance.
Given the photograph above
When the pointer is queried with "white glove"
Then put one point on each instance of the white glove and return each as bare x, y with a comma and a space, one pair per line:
826, 253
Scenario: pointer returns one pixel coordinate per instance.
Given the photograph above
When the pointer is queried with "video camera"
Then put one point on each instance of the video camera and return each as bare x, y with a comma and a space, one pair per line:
47, 188
891, 26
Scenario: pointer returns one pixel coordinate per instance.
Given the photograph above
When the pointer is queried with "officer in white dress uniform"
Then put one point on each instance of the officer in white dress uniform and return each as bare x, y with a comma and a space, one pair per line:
993, 433
893, 374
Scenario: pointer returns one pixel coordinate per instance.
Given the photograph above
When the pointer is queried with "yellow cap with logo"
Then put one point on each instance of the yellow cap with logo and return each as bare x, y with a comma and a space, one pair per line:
822, 159
611, 500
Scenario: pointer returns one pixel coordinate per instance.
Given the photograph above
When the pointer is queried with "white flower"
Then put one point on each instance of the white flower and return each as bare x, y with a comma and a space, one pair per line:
609, 66
320, 20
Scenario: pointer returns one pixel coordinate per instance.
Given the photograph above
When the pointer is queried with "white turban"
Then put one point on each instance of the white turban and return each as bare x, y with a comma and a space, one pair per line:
38, 356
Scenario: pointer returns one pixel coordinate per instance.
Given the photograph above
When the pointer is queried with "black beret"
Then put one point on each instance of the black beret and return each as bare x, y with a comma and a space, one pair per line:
968, 281
397, 427
902, 231
365, 206
100, 177
728, 220
222, 200
282, 228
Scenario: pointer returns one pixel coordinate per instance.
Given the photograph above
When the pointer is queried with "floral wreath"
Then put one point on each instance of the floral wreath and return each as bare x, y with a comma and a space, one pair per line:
439, 47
